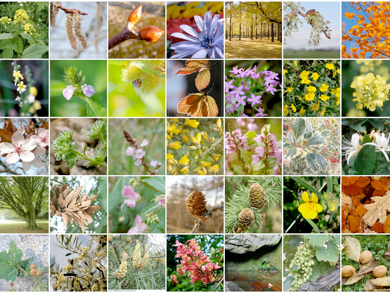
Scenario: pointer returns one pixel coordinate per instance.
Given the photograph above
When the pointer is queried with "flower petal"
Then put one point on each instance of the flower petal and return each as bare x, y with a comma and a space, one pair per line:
27, 156
207, 20
26, 165
199, 22
189, 30
314, 198
184, 37
39, 151
12, 158
319, 208
386, 156
6, 147
312, 214
138, 221
128, 192
214, 24
302, 208
200, 54
29, 144
305, 197
17, 138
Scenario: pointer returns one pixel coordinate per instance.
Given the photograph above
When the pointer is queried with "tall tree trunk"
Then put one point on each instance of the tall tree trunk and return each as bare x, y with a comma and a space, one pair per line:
252, 28
280, 32
268, 30
31, 220
256, 26
272, 32
261, 30
239, 37
230, 25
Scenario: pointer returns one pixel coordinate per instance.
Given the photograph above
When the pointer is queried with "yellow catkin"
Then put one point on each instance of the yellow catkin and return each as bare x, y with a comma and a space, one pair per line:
137, 259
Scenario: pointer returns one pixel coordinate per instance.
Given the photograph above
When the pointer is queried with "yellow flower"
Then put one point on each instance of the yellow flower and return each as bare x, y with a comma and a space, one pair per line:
21, 87
315, 107
305, 77
330, 66
219, 124
192, 123
315, 76
285, 110
5, 20
289, 90
33, 91
184, 160
173, 129
324, 97
214, 169
312, 89
309, 97
169, 156
20, 16
193, 148
197, 139
302, 111
185, 138
184, 170
17, 75
310, 208
28, 28
338, 71
205, 136
205, 164
323, 112
174, 145
216, 156
293, 108
35, 107
295, 63
324, 87
285, 71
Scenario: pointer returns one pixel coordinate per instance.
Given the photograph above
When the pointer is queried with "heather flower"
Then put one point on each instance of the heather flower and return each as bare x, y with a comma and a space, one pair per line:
206, 42
132, 196
68, 92
140, 227
42, 138
19, 149
88, 90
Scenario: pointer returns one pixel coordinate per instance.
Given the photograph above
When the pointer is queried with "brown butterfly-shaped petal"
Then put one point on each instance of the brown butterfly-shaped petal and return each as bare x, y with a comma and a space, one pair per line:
203, 67
198, 105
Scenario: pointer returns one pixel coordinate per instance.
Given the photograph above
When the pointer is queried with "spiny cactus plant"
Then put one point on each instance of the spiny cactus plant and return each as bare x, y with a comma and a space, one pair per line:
245, 208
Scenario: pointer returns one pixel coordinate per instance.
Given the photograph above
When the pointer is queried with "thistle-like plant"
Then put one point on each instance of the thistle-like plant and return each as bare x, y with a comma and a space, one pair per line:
245, 209
67, 150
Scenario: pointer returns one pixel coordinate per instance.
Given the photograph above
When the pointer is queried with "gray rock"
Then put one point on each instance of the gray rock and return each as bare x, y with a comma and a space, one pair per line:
241, 244
32, 246
231, 286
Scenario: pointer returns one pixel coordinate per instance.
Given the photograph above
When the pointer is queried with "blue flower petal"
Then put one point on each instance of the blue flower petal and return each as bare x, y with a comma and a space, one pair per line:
189, 30
200, 54
185, 37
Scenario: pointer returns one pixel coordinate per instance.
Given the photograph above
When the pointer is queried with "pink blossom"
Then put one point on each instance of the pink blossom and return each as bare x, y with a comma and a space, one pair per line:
19, 149
138, 162
130, 151
144, 143
140, 227
155, 164
132, 196
88, 90
42, 138
139, 154
174, 280
37, 163
161, 202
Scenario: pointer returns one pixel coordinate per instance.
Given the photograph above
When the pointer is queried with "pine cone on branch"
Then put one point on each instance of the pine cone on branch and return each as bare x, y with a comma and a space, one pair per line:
196, 204
257, 196
246, 218
72, 206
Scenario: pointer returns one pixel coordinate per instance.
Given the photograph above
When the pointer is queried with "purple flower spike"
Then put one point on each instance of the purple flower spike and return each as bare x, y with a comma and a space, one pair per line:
88, 90
68, 92
144, 143
130, 151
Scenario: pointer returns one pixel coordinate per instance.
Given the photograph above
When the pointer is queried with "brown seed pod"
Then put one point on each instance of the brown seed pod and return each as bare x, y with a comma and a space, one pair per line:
38, 273
257, 196
151, 34
246, 218
365, 257
196, 204
348, 271
135, 15
32, 266
33, 272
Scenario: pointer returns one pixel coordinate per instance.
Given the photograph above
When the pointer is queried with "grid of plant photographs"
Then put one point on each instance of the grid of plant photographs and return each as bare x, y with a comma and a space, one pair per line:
194, 146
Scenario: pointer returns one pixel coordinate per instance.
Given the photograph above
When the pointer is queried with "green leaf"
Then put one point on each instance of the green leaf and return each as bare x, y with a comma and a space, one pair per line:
6, 36
8, 273
8, 53
287, 283
366, 139
307, 186
331, 253
155, 185
94, 109
321, 161
34, 51
250, 134
309, 130
365, 160
317, 240
291, 152
316, 139
315, 227
27, 36
298, 128
358, 126
377, 123
312, 162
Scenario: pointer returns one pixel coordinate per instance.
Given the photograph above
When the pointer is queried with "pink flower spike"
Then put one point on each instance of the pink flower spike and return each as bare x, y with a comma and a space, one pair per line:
68, 92
139, 226
144, 143
130, 151
132, 196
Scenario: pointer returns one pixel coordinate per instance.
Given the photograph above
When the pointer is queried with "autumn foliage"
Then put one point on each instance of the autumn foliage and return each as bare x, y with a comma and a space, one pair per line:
367, 36
365, 205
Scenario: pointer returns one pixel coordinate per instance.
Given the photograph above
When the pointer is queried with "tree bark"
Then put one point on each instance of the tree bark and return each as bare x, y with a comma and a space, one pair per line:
272, 32
239, 37
323, 283
230, 26
280, 32
268, 30
256, 26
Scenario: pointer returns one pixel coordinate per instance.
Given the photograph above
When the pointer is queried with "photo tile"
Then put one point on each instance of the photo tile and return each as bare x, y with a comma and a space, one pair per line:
311, 146
136, 204
136, 88
194, 146
78, 30
311, 30
78, 88
199, 95
203, 200
253, 204
253, 146
78, 146
136, 146
27, 265
253, 30
195, 30
78, 204
136, 30
136, 262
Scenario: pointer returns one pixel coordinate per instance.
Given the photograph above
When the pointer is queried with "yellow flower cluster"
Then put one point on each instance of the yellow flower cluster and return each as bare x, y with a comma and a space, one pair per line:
21, 16
311, 93
28, 28
178, 135
305, 77
370, 91
5, 20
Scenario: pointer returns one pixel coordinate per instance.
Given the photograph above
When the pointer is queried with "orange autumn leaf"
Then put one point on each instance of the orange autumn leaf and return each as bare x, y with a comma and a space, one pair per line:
377, 185
349, 15
363, 181
198, 105
202, 67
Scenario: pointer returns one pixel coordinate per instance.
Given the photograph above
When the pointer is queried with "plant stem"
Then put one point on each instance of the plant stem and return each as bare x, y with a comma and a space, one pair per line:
313, 225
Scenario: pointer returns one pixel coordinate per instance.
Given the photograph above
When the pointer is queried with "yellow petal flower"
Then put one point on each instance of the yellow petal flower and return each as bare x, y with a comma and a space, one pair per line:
193, 148
169, 156
214, 169
192, 123
184, 160
184, 170
198, 138
204, 163
205, 136
174, 145
185, 138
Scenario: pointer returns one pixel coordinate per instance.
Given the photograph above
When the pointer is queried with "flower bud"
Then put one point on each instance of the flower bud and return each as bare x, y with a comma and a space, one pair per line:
151, 34
135, 15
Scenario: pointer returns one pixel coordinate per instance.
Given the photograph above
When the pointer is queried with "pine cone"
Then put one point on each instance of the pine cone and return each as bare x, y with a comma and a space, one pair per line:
67, 204
196, 204
257, 196
246, 218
